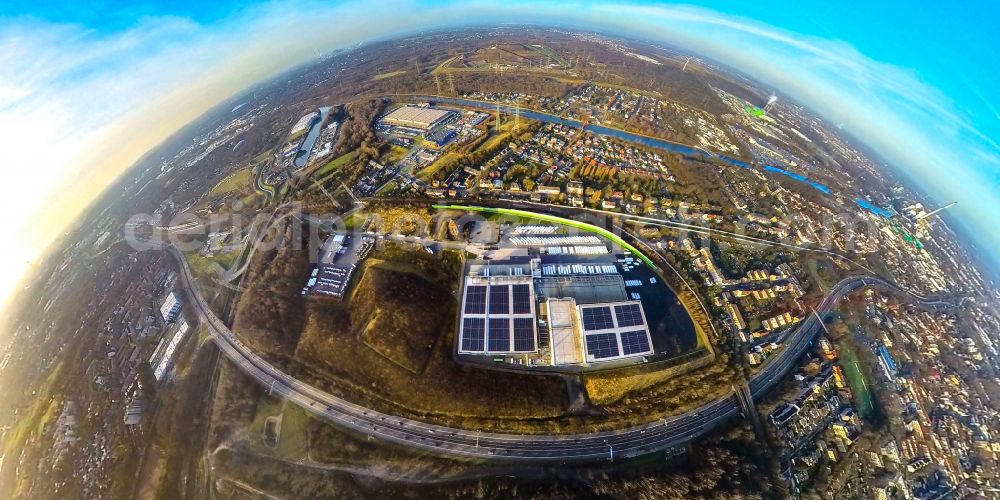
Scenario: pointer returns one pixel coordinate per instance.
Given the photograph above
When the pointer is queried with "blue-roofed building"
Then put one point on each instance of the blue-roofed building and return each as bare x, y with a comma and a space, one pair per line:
440, 138
888, 364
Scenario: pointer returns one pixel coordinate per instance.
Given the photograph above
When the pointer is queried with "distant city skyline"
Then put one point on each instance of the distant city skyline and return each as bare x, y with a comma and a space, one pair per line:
85, 91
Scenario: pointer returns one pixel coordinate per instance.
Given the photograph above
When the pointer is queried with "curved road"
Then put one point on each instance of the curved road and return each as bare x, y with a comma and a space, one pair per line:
633, 441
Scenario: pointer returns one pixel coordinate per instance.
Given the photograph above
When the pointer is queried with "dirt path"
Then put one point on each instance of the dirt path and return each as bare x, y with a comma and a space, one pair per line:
151, 473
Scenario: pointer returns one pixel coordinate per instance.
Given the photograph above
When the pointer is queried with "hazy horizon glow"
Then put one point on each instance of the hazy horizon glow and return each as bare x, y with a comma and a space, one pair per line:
80, 101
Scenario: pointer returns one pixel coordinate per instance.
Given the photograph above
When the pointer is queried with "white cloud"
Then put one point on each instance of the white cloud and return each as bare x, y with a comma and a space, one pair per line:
75, 99
918, 129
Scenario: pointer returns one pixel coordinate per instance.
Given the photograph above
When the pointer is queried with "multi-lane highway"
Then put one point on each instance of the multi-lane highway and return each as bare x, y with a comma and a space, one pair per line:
632, 441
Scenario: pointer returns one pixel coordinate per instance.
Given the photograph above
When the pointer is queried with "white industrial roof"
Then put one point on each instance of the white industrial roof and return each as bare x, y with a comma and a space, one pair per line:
415, 116
566, 348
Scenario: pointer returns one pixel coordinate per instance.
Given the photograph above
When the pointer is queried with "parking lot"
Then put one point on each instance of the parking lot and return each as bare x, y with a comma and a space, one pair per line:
337, 262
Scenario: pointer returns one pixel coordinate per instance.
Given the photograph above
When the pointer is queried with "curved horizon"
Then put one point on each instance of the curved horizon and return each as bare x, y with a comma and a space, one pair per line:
81, 100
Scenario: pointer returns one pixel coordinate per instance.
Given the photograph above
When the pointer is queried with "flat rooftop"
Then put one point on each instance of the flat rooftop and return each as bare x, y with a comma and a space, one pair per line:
582, 306
416, 116
615, 330
584, 289
566, 346
498, 315
339, 257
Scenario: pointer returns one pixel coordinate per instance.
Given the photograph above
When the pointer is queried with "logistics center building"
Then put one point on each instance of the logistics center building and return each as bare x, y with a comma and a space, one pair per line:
418, 117
574, 314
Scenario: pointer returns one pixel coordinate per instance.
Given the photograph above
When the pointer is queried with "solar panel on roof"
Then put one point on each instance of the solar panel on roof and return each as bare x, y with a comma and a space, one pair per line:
500, 299
524, 334
634, 342
602, 345
628, 315
473, 334
522, 299
597, 318
475, 299
499, 335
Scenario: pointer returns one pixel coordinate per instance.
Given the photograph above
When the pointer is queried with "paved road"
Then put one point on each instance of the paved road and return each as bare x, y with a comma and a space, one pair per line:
628, 442
694, 229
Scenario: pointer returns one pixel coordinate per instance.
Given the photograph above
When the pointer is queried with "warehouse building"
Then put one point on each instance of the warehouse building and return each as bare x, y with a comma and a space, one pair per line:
567, 313
418, 117
163, 356
171, 307
498, 311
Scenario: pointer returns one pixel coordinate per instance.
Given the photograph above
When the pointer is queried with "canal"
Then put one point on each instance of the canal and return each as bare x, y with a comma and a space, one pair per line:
302, 157
644, 140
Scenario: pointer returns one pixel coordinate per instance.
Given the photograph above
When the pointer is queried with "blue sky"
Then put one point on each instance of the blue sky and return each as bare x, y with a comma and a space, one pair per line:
952, 49
947, 47
96, 85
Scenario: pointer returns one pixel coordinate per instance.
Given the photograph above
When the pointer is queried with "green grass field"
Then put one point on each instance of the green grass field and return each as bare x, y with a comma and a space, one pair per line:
41, 412
551, 54
236, 180
395, 153
812, 265
443, 66
293, 438
860, 385
298, 135
334, 164
263, 156
201, 265
388, 188
558, 220
492, 142
446, 159
354, 221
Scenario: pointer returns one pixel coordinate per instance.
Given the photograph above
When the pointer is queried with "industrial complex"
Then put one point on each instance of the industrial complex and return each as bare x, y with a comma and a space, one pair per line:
546, 301
339, 257
418, 117
506, 261
437, 127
